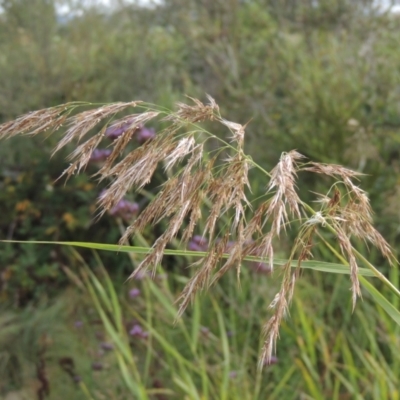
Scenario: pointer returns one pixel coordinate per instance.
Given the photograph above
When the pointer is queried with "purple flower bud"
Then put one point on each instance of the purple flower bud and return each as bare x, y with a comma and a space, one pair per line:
76, 378
124, 209
200, 240
194, 247
107, 346
137, 331
198, 243
97, 366
114, 132
144, 134
117, 129
78, 324
135, 292
232, 374
100, 155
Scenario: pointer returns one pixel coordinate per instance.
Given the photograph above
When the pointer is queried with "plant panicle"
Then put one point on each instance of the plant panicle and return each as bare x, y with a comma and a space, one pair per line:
220, 183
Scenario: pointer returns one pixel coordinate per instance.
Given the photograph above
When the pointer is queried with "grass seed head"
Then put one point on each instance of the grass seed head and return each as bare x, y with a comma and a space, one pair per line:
194, 181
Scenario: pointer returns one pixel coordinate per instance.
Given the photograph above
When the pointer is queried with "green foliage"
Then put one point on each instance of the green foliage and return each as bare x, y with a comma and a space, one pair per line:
34, 205
325, 350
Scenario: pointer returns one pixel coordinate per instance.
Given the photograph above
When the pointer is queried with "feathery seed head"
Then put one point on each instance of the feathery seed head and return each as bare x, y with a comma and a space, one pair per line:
184, 147
35, 122
195, 113
82, 123
221, 184
238, 131
283, 181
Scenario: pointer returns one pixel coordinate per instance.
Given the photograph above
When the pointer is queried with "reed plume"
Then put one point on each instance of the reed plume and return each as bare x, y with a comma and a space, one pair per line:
215, 187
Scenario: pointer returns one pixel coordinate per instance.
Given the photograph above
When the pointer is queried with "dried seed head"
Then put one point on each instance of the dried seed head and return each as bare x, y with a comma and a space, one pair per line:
131, 126
264, 248
356, 219
332, 170
163, 205
224, 185
238, 131
184, 147
135, 170
195, 215
82, 155
202, 278
227, 192
82, 123
119, 127
280, 305
337, 171
347, 250
35, 122
283, 181
196, 113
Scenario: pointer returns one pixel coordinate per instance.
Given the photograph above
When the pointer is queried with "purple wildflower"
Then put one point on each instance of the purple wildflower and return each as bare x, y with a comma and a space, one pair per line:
194, 246
78, 324
115, 131
135, 292
232, 374
200, 240
144, 134
124, 209
198, 243
100, 155
138, 331
97, 366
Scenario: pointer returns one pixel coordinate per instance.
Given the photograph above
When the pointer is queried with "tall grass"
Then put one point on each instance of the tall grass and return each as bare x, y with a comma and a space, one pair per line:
207, 171
327, 351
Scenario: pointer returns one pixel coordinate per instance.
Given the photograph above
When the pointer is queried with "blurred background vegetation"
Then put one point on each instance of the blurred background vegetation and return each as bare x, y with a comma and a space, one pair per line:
322, 77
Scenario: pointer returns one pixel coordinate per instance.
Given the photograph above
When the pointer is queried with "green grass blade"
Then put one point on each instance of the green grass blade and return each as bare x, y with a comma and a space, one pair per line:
393, 312
224, 390
309, 379
333, 268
